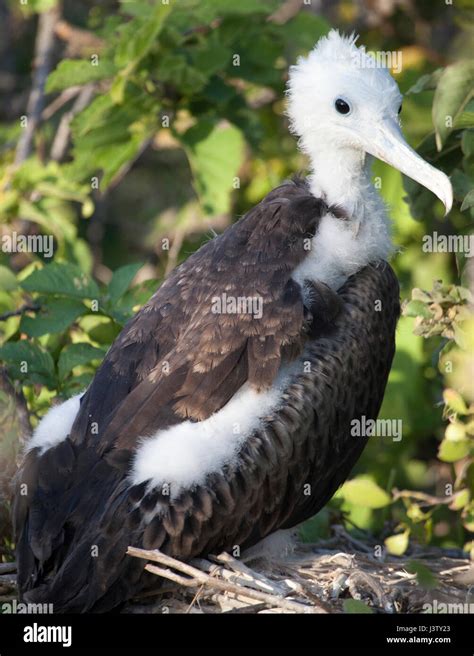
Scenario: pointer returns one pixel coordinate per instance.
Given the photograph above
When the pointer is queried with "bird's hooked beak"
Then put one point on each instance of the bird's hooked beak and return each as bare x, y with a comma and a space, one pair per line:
386, 142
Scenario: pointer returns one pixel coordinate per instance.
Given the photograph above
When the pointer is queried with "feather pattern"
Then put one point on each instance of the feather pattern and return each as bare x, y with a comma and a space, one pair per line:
177, 361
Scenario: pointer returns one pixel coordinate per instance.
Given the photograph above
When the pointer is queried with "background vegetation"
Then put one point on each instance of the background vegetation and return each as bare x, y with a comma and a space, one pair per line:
148, 125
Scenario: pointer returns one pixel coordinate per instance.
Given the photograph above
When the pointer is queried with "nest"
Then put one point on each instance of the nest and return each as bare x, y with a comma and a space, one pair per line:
333, 576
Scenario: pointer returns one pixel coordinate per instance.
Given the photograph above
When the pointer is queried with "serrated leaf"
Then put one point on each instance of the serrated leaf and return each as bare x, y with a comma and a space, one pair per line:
138, 36
77, 354
453, 92
121, 280
29, 362
74, 72
398, 544
365, 492
355, 606
61, 279
215, 154
54, 316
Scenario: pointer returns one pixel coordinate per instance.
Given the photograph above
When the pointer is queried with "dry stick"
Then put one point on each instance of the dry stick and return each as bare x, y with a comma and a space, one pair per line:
204, 579
276, 587
200, 578
7, 568
422, 496
61, 139
57, 103
247, 580
43, 56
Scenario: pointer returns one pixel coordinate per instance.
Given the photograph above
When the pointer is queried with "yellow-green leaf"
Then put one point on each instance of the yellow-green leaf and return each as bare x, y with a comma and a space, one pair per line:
365, 492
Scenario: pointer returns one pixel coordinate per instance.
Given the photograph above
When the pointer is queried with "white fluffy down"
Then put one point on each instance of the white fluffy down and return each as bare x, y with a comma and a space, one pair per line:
183, 455
341, 248
55, 425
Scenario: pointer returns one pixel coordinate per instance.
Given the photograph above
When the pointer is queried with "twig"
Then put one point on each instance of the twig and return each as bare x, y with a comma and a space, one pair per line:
287, 11
195, 577
7, 568
20, 311
79, 41
61, 139
422, 496
62, 99
43, 57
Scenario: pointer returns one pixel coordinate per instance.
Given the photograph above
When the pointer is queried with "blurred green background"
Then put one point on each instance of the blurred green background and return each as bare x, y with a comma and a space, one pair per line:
150, 125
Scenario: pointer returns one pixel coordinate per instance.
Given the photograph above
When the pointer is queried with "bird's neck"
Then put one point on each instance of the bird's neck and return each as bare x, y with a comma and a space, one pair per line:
342, 177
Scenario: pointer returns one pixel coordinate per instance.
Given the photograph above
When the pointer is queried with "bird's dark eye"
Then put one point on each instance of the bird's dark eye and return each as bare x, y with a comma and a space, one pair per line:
400, 108
342, 106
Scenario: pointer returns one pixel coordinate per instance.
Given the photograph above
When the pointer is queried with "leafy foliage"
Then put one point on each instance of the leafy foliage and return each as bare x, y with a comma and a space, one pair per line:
183, 129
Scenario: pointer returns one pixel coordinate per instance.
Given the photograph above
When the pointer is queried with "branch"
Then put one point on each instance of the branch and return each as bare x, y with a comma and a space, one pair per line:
61, 139
42, 64
195, 578
79, 41
428, 499
58, 102
20, 311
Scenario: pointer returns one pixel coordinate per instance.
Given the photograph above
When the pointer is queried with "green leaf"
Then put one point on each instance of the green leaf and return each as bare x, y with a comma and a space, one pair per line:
305, 29
8, 281
36, 6
121, 280
138, 37
462, 184
452, 451
55, 315
62, 279
365, 492
467, 142
468, 201
461, 499
398, 544
355, 606
77, 354
424, 576
215, 154
29, 362
454, 401
73, 72
426, 82
455, 89
417, 309
455, 432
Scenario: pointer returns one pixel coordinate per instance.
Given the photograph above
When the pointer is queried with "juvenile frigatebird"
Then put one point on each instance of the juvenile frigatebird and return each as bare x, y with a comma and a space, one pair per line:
223, 410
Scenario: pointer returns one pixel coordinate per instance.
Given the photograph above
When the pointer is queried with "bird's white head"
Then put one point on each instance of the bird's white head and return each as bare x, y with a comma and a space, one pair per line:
343, 105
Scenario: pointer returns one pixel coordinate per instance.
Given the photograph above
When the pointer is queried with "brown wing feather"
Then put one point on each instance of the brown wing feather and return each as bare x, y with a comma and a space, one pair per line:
178, 359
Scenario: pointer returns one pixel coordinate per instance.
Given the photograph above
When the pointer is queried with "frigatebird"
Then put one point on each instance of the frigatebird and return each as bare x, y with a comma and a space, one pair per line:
222, 413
